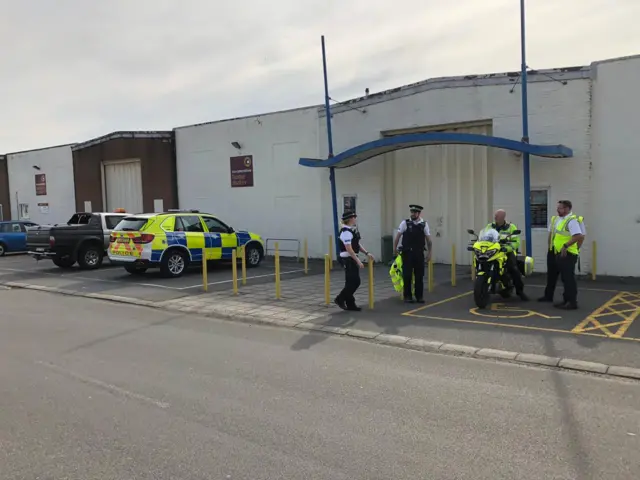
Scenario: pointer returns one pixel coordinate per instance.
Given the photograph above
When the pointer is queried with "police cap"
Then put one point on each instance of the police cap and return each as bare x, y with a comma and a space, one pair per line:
348, 215
415, 208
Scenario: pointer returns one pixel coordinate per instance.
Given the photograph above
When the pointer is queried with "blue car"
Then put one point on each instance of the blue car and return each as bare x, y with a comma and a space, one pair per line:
13, 236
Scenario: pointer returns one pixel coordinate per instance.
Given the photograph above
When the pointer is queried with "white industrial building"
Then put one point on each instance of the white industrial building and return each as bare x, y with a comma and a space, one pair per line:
41, 184
591, 110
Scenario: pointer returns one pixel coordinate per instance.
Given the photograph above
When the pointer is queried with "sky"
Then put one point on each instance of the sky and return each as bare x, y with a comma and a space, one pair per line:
73, 70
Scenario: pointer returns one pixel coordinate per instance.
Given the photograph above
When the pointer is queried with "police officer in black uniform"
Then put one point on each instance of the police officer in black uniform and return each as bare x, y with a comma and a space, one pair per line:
415, 236
350, 247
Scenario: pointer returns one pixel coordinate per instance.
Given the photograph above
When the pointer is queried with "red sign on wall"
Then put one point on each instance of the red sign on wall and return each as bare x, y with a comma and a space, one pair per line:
242, 171
41, 184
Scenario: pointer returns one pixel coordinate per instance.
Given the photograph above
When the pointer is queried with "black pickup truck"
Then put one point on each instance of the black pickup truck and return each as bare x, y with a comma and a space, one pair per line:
83, 239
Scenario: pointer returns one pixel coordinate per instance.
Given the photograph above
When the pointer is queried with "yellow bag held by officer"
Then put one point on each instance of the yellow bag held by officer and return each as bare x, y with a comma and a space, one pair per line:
395, 272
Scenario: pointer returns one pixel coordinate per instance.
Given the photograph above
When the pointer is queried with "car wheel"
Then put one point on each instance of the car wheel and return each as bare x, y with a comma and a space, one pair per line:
253, 256
3, 249
63, 262
174, 263
90, 257
135, 269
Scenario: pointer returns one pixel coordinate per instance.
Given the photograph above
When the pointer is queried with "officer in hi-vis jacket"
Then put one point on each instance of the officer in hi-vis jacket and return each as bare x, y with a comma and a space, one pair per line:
415, 235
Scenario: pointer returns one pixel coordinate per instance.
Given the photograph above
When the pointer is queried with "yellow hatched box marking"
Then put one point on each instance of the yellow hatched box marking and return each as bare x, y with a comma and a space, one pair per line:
624, 305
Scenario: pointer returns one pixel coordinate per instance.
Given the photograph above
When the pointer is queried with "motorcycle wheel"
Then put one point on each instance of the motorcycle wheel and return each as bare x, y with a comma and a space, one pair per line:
481, 292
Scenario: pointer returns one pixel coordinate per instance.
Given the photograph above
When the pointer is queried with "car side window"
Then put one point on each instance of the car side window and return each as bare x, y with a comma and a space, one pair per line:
15, 228
189, 223
5, 228
94, 221
111, 221
214, 225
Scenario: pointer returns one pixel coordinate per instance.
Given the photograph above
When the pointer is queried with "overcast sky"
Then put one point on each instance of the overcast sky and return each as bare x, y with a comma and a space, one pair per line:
77, 69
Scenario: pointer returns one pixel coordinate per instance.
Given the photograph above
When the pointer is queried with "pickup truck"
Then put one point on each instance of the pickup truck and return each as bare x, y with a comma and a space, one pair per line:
83, 239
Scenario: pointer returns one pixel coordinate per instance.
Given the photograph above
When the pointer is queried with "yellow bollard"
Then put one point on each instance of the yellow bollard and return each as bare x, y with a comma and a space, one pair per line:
234, 270
371, 292
306, 257
430, 275
244, 264
453, 265
205, 278
594, 259
278, 287
331, 247
327, 280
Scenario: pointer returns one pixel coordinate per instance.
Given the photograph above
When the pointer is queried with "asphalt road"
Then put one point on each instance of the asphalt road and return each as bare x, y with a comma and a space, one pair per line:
100, 390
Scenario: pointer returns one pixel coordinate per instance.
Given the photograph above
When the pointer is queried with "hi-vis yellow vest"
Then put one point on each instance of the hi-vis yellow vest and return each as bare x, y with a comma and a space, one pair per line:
560, 234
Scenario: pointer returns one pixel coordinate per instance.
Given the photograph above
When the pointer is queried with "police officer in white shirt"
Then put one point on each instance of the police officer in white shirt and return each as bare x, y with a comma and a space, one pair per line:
350, 246
415, 235
566, 235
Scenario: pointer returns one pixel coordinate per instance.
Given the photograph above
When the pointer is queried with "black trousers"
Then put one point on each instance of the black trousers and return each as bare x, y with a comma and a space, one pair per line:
565, 268
351, 281
514, 273
413, 264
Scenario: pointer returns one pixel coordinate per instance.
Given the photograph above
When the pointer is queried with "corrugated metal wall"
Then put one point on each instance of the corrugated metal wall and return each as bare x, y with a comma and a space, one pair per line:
454, 183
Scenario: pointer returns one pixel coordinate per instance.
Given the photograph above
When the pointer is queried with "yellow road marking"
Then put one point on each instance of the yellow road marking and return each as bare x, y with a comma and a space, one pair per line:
510, 312
628, 315
455, 297
523, 327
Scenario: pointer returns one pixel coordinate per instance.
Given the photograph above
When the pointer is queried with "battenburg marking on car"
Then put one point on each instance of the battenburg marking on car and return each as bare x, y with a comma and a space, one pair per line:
155, 235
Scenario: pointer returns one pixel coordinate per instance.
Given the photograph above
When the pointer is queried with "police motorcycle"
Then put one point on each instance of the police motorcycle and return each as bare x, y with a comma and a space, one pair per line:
490, 261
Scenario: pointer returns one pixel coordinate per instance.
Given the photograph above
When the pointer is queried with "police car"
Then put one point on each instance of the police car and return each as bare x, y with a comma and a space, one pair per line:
173, 240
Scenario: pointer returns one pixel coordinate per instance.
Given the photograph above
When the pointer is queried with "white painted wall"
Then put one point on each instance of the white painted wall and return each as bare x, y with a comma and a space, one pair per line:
558, 114
595, 117
615, 224
57, 164
285, 201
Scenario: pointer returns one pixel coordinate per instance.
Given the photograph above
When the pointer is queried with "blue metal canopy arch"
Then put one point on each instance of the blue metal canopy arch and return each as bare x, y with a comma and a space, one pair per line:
366, 151
363, 152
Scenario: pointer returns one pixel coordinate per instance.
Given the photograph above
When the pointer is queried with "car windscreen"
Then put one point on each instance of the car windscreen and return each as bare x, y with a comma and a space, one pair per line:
131, 224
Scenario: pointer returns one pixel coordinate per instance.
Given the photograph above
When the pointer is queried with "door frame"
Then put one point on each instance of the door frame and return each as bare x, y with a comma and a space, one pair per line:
106, 163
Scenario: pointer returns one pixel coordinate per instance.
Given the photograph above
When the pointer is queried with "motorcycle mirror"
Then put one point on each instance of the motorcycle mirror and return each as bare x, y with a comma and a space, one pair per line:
516, 232
470, 231
470, 249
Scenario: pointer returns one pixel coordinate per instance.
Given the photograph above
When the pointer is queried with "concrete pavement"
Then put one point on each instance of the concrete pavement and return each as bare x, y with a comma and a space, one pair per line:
91, 389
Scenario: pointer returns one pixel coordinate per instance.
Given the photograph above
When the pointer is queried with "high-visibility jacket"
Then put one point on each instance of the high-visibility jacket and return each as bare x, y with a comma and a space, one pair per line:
506, 229
395, 272
560, 234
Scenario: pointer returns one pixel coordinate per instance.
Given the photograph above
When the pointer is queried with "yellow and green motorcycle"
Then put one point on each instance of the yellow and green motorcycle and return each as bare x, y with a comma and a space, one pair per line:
490, 260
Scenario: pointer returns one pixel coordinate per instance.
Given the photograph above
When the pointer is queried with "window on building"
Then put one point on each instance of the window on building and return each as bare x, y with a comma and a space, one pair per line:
539, 208
349, 203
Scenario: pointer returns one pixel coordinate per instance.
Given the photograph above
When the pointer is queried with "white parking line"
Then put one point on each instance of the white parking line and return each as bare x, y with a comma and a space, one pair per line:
152, 285
89, 279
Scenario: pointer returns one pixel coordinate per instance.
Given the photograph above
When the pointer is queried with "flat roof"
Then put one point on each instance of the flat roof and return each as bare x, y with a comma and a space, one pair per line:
123, 134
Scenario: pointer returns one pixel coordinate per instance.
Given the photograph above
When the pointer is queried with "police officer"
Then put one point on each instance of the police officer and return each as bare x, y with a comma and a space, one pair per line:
566, 235
505, 228
415, 235
350, 246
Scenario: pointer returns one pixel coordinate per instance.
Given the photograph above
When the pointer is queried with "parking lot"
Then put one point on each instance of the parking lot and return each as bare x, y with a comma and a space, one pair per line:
151, 286
604, 312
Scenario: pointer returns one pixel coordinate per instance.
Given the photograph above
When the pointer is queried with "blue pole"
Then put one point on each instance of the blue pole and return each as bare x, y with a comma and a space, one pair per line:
526, 169
332, 172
